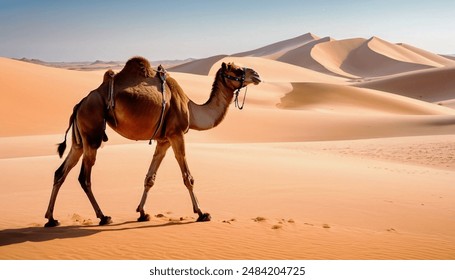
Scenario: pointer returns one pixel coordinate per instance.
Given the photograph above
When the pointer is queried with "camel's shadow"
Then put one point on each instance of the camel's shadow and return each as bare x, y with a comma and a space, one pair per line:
41, 234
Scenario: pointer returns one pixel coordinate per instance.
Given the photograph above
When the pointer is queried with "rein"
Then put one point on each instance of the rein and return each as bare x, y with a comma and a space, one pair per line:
237, 91
110, 101
162, 74
236, 99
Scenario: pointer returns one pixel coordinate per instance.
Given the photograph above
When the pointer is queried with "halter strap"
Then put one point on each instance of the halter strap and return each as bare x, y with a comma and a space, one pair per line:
237, 90
234, 78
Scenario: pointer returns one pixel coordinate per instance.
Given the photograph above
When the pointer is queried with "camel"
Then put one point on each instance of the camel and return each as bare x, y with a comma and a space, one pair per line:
141, 103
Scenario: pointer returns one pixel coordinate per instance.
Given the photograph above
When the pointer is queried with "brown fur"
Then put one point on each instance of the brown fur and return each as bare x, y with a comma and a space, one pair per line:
137, 67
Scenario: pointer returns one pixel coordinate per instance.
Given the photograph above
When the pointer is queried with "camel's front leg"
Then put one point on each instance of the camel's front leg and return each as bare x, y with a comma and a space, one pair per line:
178, 145
160, 152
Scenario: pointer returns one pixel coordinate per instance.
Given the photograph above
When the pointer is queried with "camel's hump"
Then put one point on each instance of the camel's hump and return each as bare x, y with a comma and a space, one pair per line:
138, 66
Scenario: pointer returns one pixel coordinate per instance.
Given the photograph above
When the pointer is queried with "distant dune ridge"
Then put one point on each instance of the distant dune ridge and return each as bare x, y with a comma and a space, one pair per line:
357, 57
344, 151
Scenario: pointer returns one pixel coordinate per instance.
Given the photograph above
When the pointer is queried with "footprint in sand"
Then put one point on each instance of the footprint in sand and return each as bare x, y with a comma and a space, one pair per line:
259, 219
280, 222
171, 219
78, 219
181, 219
229, 221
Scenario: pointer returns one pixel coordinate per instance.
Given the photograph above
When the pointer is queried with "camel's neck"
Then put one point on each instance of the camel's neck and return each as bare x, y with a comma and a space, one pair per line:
212, 112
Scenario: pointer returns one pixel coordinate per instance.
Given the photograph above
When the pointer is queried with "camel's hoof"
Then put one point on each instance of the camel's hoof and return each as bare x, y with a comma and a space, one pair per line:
52, 223
144, 218
205, 217
105, 220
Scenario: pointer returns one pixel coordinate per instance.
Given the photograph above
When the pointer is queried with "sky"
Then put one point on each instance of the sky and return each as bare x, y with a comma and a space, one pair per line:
177, 29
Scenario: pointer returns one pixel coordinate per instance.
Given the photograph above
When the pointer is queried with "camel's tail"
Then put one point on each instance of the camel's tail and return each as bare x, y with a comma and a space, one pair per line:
62, 146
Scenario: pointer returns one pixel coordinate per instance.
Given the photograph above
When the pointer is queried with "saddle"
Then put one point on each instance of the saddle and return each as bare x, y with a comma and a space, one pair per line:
161, 73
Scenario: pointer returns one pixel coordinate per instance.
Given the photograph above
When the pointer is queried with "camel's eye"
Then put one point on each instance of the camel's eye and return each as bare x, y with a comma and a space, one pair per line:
238, 72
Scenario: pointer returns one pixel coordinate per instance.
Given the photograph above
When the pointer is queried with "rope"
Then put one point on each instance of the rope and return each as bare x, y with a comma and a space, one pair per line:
111, 99
236, 100
162, 74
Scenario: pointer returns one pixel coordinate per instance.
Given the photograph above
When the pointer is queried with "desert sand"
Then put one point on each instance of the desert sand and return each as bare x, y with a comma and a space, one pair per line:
346, 150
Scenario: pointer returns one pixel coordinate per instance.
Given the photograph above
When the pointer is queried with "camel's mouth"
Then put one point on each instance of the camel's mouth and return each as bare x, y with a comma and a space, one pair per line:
256, 79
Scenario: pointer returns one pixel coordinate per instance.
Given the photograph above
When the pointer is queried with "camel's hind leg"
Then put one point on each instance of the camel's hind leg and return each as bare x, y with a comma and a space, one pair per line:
85, 180
160, 152
59, 177
178, 145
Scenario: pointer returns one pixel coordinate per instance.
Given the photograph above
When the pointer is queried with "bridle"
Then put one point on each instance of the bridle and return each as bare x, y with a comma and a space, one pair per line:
237, 90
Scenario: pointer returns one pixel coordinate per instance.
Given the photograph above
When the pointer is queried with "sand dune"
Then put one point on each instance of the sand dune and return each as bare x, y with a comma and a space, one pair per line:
448, 103
432, 85
340, 153
332, 55
449, 57
200, 66
350, 58
313, 216
340, 98
403, 53
438, 60
375, 57
301, 56
33, 97
276, 50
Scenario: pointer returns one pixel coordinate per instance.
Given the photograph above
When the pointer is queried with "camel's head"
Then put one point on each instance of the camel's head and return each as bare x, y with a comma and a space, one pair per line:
238, 76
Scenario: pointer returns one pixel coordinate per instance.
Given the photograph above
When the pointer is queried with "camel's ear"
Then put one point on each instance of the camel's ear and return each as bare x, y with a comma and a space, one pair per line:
223, 66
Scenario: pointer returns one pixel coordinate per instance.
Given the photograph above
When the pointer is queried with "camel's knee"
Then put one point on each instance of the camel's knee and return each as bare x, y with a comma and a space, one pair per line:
188, 180
149, 181
89, 160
